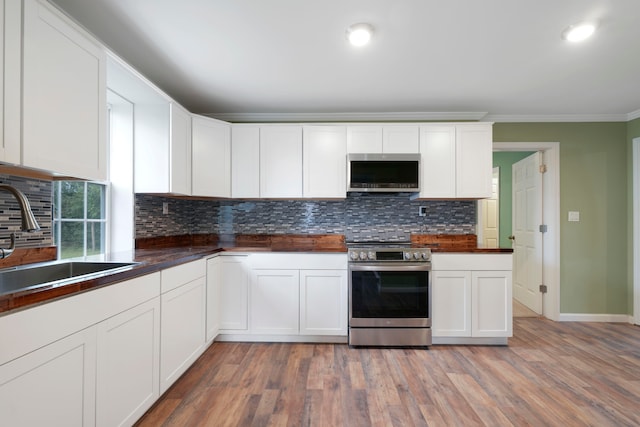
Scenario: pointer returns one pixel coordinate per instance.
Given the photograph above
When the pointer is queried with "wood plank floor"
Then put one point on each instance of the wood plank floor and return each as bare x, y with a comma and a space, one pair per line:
551, 374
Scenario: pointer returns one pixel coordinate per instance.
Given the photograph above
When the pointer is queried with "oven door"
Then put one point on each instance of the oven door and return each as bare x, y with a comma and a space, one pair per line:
389, 295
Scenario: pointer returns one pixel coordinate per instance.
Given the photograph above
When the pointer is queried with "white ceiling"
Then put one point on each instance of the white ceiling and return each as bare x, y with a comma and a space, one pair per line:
258, 60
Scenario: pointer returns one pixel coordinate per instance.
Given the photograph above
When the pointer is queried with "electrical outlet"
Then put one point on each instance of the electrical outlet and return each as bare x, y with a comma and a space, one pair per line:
574, 216
422, 211
165, 208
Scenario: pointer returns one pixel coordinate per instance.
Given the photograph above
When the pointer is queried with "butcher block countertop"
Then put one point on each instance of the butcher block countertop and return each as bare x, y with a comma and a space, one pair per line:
156, 254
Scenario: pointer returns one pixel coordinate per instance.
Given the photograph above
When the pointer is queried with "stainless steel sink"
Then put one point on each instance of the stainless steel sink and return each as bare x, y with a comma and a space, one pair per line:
23, 278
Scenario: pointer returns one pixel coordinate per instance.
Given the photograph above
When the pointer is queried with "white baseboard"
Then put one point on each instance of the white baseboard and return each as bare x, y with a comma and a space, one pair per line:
583, 317
470, 341
338, 339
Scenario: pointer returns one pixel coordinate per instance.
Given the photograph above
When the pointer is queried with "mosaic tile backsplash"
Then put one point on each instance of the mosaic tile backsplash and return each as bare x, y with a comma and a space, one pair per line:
359, 217
39, 193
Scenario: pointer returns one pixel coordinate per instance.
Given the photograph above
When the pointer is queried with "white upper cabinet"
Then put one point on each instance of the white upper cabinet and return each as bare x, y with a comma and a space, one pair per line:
324, 161
383, 139
211, 157
64, 96
438, 164
10, 78
162, 133
180, 152
162, 149
474, 160
280, 161
364, 139
457, 160
400, 139
245, 161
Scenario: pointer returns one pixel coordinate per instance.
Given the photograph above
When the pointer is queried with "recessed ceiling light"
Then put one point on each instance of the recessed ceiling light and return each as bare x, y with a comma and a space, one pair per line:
579, 32
359, 34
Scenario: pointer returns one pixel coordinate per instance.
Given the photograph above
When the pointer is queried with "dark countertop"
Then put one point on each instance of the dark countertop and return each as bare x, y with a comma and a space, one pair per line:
152, 259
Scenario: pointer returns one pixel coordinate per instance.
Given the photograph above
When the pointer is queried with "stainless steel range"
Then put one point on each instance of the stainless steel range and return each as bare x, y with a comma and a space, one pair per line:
389, 295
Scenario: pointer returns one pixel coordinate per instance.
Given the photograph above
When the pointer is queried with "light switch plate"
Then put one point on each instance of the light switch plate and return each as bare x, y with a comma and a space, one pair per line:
574, 216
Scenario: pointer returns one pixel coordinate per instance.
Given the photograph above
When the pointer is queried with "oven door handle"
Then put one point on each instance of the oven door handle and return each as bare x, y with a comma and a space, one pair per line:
390, 267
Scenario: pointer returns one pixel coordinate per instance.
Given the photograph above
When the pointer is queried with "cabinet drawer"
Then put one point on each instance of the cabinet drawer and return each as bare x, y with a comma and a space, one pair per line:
284, 261
176, 276
469, 261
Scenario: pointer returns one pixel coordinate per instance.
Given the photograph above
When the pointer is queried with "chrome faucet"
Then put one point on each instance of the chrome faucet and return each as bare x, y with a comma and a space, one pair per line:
29, 222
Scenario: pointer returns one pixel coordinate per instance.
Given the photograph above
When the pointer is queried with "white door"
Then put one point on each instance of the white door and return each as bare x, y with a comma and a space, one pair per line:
490, 213
527, 244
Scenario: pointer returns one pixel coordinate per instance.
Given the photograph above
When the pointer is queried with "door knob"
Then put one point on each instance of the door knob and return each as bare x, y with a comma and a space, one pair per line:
512, 237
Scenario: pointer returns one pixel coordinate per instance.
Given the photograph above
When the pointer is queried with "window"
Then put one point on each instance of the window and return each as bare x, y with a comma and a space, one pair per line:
79, 218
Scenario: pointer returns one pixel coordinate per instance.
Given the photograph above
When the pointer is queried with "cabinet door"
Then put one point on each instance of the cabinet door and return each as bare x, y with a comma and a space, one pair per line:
182, 333
275, 302
211, 158
451, 303
474, 161
180, 160
234, 294
323, 302
214, 280
11, 81
491, 294
325, 161
438, 164
128, 360
64, 96
245, 162
280, 161
400, 139
364, 139
54, 385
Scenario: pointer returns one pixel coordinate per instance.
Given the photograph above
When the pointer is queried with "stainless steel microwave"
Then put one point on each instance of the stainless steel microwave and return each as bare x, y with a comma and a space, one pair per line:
383, 172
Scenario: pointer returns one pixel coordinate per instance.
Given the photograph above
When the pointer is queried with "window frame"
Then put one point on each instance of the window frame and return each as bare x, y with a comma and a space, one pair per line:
57, 220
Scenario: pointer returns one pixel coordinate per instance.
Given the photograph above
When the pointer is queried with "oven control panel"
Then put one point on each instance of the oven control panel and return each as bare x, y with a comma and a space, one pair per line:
389, 254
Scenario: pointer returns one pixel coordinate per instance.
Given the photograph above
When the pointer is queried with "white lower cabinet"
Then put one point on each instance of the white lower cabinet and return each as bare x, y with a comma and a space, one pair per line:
471, 296
289, 295
274, 301
88, 359
128, 360
182, 321
492, 314
214, 282
451, 303
53, 385
234, 294
323, 302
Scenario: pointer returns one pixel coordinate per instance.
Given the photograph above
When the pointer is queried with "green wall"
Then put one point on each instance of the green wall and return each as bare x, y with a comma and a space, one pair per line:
594, 180
633, 131
504, 160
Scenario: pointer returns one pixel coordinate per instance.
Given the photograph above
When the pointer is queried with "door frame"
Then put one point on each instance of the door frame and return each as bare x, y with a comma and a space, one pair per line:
636, 230
480, 231
551, 218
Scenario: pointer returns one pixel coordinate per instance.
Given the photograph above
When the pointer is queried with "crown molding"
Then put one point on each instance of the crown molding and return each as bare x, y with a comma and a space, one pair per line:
419, 117
565, 118
633, 115
347, 117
